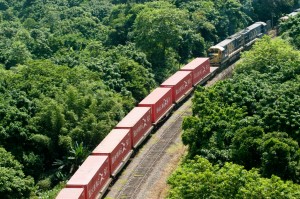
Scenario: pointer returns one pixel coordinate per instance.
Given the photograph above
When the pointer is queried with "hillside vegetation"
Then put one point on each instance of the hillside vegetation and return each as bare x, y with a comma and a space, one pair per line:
71, 69
243, 136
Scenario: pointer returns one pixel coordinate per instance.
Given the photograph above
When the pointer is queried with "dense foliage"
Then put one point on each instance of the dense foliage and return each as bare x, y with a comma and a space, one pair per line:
156, 35
290, 30
46, 109
13, 182
71, 69
273, 9
253, 120
198, 178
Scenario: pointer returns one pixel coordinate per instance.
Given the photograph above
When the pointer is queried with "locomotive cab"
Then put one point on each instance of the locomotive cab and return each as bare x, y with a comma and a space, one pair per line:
215, 55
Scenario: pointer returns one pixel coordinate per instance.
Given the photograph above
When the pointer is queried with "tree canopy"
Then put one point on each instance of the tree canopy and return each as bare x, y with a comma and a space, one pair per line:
14, 184
71, 69
289, 30
198, 178
46, 109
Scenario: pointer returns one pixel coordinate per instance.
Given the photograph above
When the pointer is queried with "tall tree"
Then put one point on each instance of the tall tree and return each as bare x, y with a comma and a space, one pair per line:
14, 184
272, 9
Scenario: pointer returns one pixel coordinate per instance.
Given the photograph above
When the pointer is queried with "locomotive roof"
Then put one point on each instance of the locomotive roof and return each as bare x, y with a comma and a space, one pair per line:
253, 26
223, 43
237, 35
231, 38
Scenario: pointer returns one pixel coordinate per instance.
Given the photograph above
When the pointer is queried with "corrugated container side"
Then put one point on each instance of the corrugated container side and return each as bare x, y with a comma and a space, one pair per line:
180, 83
200, 68
71, 193
92, 175
160, 101
117, 145
138, 120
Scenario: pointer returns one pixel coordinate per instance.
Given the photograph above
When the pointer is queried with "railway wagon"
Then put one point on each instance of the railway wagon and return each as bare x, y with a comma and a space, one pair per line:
139, 122
117, 146
181, 84
256, 30
200, 68
160, 102
71, 193
93, 176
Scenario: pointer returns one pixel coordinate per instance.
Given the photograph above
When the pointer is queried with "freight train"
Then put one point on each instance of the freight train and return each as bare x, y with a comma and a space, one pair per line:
94, 176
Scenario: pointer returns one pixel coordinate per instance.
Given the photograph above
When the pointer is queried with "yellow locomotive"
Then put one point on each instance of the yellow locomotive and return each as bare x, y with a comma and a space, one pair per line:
229, 49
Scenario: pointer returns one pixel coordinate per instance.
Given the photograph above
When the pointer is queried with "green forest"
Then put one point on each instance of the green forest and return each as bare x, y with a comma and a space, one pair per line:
71, 69
243, 137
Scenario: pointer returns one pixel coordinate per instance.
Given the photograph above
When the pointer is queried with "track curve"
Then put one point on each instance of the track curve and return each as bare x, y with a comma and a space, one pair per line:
146, 167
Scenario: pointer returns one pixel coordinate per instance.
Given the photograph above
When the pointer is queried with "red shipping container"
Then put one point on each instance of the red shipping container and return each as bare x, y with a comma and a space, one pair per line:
160, 101
117, 146
200, 68
93, 175
71, 193
138, 120
180, 83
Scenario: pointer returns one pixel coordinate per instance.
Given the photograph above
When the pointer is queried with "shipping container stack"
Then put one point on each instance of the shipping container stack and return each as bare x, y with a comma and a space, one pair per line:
94, 176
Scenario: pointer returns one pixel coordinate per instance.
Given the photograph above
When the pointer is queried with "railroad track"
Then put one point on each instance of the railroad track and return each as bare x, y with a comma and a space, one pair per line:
132, 179
148, 162
140, 171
